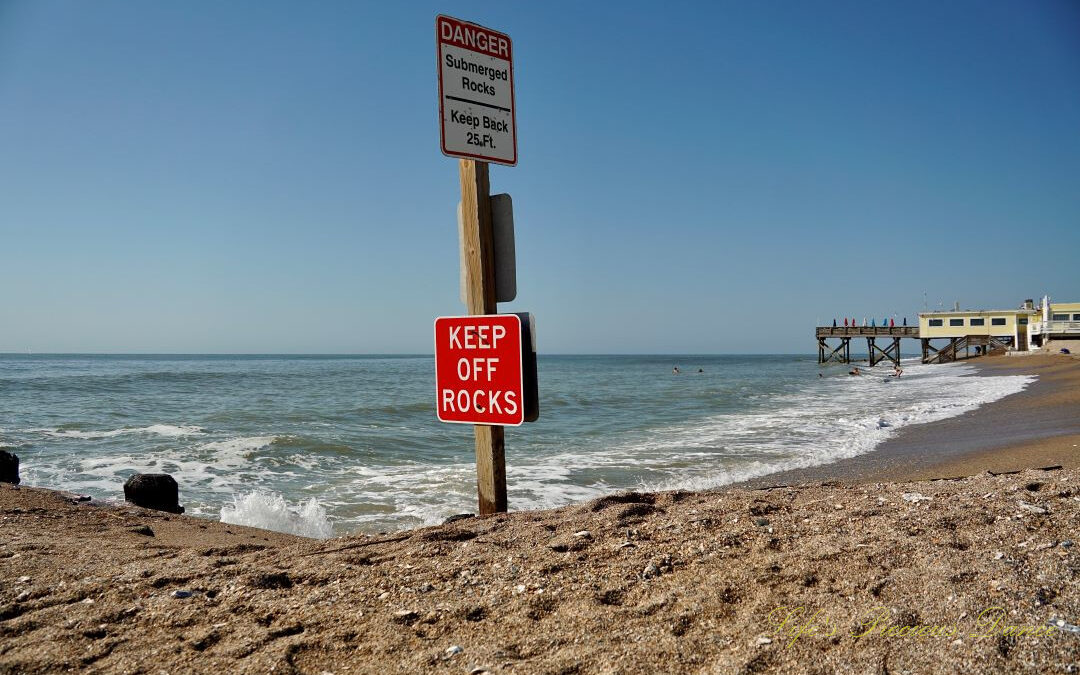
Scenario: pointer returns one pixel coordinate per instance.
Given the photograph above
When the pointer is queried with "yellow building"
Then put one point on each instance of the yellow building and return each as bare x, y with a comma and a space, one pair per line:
1056, 321
1008, 325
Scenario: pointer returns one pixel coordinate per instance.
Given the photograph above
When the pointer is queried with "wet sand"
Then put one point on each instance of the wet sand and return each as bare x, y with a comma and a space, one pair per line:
979, 574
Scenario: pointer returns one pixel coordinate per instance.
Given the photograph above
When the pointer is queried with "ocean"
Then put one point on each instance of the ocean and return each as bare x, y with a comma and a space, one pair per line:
329, 445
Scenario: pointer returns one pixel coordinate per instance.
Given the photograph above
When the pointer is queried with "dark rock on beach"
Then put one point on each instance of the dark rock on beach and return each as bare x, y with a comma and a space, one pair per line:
9, 467
156, 491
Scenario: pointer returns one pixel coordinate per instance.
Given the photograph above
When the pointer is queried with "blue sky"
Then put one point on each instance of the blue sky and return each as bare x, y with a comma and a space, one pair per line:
713, 177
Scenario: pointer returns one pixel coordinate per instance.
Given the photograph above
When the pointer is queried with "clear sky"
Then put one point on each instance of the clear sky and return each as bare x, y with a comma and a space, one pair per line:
713, 177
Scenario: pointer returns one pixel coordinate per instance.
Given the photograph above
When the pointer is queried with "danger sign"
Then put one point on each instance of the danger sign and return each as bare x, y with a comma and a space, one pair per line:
476, 92
483, 368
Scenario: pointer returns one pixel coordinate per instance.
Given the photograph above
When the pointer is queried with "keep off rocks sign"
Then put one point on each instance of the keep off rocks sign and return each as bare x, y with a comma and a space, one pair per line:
476, 92
479, 377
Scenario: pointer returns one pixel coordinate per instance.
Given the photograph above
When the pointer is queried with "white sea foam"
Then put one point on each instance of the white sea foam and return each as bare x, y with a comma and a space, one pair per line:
813, 428
832, 420
379, 484
270, 511
238, 446
168, 430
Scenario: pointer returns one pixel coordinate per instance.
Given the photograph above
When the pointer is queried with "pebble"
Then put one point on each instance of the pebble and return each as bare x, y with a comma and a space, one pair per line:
181, 594
583, 534
761, 522
915, 497
763, 641
479, 670
23, 580
22, 596
1066, 544
999, 555
88, 601
1031, 508
384, 596
651, 571
454, 650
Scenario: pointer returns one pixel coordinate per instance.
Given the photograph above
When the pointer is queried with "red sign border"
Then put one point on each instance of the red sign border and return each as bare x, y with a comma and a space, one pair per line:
521, 369
442, 118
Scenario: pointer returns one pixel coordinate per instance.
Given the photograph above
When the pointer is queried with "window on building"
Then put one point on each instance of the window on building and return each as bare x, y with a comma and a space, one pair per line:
978, 322
1059, 317
1076, 317
997, 321
1023, 321
956, 322
935, 322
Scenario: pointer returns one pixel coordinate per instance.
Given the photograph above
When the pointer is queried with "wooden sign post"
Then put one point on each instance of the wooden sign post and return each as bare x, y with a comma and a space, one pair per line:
479, 253
477, 124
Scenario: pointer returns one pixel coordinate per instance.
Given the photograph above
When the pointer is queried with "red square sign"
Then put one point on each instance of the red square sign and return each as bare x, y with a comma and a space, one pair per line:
478, 369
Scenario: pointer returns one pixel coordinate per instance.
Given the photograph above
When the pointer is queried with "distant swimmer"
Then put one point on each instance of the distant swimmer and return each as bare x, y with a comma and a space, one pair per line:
820, 375
701, 370
897, 371
675, 370
854, 371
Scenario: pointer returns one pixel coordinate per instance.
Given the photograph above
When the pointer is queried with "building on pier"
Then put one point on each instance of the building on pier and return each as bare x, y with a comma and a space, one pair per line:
966, 333
984, 331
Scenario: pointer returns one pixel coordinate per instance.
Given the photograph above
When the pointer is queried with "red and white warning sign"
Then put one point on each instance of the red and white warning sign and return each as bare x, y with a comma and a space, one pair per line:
479, 377
476, 92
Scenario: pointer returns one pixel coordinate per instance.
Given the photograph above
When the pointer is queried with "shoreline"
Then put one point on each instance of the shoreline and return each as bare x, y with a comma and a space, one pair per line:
1037, 427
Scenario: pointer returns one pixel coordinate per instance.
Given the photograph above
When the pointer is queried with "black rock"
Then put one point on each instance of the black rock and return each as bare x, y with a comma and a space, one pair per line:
156, 491
9, 467
456, 518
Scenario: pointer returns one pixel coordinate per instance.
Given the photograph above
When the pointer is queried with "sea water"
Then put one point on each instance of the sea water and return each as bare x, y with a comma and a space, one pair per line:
323, 445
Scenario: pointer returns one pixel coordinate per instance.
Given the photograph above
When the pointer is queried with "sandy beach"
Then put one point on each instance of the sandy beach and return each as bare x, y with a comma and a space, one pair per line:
861, 566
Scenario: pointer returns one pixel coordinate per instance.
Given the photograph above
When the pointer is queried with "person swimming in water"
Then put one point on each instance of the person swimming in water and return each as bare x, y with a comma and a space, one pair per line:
854, 371
675, 370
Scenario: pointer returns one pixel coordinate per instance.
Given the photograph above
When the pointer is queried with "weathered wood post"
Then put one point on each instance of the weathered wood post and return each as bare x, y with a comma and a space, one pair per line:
479, 253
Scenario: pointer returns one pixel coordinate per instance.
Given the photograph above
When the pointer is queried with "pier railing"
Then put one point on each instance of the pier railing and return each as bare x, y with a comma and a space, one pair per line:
867, 331
1055, 328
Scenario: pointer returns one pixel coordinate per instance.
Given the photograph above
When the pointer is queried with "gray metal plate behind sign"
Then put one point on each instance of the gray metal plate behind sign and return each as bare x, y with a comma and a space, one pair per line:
502, 226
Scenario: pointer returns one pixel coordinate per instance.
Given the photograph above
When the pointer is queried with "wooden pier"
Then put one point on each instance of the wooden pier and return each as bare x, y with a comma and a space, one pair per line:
958, 348
842, 352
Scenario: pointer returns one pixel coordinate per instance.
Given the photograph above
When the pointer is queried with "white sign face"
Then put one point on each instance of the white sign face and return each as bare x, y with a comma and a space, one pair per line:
476, 92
